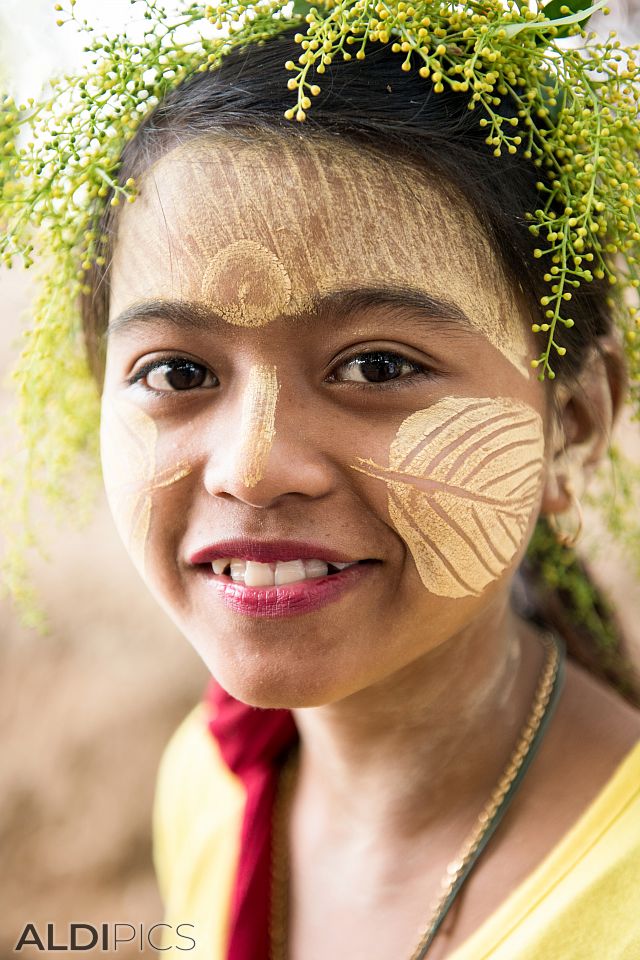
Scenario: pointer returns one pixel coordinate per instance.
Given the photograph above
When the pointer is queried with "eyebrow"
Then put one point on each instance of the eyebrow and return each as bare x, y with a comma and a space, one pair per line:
336, 306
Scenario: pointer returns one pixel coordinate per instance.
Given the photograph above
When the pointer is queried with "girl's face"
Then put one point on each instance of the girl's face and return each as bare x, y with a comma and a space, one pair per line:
315, 359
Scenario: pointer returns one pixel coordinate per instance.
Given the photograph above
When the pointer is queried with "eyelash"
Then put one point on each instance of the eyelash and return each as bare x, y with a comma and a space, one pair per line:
398, 383
174, 361
421, 372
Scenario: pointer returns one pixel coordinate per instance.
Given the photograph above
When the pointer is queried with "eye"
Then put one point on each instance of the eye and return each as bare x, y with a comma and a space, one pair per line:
376, 367
180, 373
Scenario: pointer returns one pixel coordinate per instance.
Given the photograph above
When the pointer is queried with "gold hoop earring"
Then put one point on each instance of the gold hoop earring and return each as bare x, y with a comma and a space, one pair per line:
564, 537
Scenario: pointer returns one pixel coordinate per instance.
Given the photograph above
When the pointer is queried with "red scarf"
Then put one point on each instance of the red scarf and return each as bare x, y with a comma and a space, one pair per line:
253, 742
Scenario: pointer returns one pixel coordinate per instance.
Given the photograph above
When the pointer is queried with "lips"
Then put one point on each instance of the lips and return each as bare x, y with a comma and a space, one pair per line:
277, 578
254, 574
269, 551
290, 599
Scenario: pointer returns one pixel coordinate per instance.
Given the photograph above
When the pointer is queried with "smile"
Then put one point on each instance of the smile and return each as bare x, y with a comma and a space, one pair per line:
254, 574
312, 584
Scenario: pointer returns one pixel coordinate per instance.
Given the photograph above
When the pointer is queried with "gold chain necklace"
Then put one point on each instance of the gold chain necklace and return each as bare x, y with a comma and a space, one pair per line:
458, 870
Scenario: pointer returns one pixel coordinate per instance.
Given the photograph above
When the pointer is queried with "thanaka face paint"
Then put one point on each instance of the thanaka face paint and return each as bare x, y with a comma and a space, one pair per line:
128, 438
276, 224
257, 426
463, 482
128, 446
246, 284
300, 482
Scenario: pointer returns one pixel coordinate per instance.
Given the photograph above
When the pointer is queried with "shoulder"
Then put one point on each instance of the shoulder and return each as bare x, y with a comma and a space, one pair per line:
585, 775
196, 798
588, 888
566, 861
190, 746
597, 751
595, 721
591, 733
589, 761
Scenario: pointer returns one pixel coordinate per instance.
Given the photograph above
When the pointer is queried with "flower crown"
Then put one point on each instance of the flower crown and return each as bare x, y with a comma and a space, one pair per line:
577, 103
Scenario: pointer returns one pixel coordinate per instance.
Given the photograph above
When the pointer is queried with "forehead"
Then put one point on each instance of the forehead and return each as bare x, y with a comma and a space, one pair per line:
256, 229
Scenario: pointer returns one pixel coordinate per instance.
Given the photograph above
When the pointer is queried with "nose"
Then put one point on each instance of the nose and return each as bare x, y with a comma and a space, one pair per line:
264, 454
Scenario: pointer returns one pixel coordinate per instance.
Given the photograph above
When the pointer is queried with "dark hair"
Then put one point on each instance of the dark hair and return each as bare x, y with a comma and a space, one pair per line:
374, 104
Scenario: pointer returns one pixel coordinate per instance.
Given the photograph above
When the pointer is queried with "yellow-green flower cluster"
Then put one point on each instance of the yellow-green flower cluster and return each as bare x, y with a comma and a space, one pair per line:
10, 123
576, 103
577, 120
59, 161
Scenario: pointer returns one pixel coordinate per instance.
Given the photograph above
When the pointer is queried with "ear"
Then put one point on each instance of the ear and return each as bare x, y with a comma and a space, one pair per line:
582, 419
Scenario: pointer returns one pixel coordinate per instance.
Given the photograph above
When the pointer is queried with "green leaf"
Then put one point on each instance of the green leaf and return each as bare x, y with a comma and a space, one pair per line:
583, 10
301, 8
551, 10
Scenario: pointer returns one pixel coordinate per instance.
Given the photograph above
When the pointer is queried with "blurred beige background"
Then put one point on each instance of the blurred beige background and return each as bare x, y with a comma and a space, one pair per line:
86, 711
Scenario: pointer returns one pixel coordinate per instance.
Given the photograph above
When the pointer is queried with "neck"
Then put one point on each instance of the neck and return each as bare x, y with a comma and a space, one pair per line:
427, 744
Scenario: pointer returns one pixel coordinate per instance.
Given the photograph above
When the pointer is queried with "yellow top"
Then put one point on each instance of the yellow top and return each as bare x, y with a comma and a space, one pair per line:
581, 903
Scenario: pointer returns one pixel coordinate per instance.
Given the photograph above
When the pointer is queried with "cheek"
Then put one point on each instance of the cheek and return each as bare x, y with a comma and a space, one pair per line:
134, 476
463, 485
138, 467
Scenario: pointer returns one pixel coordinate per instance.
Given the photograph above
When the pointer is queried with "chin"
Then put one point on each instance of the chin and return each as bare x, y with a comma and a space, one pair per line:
277, 681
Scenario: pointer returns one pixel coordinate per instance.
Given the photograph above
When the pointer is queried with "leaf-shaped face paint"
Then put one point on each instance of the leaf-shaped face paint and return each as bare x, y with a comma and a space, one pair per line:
463, 480
128, 440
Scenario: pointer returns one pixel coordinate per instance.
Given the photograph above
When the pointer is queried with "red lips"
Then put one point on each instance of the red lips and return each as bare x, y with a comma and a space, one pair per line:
289, 599
268, 551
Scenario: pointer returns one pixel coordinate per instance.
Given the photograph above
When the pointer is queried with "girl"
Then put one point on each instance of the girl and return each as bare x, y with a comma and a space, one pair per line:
326, 451
324, 448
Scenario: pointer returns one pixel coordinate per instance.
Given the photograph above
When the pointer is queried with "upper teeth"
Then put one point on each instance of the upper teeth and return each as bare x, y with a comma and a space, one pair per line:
254, 574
